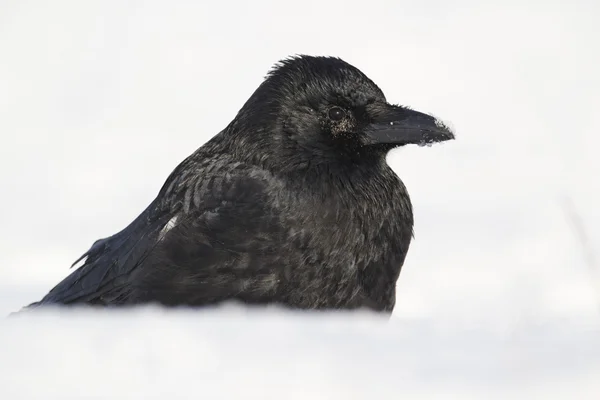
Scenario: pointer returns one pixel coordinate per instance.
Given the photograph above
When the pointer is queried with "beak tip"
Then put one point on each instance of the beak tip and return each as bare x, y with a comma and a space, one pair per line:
444, 127
429, 138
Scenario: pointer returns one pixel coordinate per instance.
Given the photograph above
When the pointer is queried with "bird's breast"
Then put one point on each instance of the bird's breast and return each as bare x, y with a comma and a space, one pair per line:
357, 229
338, 255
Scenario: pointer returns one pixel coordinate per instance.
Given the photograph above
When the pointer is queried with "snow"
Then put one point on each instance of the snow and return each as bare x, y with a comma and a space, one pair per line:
100, 100
233, 352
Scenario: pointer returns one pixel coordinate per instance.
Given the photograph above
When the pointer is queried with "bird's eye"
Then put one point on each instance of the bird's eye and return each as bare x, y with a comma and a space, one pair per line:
336, 114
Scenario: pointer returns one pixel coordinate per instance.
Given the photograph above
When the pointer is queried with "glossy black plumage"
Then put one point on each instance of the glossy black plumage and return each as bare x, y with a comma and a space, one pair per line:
292, 203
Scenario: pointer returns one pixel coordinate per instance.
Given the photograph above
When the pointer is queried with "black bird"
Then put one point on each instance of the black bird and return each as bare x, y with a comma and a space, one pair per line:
292, 203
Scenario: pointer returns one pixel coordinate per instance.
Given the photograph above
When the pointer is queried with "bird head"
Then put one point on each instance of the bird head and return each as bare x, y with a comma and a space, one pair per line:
324, 107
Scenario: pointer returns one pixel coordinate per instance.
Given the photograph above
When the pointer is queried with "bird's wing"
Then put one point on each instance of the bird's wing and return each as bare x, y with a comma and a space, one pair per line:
183, 228
104, 277
223, 244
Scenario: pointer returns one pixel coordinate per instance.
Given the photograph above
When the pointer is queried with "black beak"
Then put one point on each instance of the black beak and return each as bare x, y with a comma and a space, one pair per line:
399, 126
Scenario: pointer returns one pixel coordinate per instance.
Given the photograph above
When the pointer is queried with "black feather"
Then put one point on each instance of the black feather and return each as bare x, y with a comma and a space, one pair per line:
283, 206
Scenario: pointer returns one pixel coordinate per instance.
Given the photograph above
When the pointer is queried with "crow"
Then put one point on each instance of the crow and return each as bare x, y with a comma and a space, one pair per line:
292, 204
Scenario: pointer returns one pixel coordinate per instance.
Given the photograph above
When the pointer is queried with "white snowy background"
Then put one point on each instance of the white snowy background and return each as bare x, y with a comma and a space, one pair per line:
100, 100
